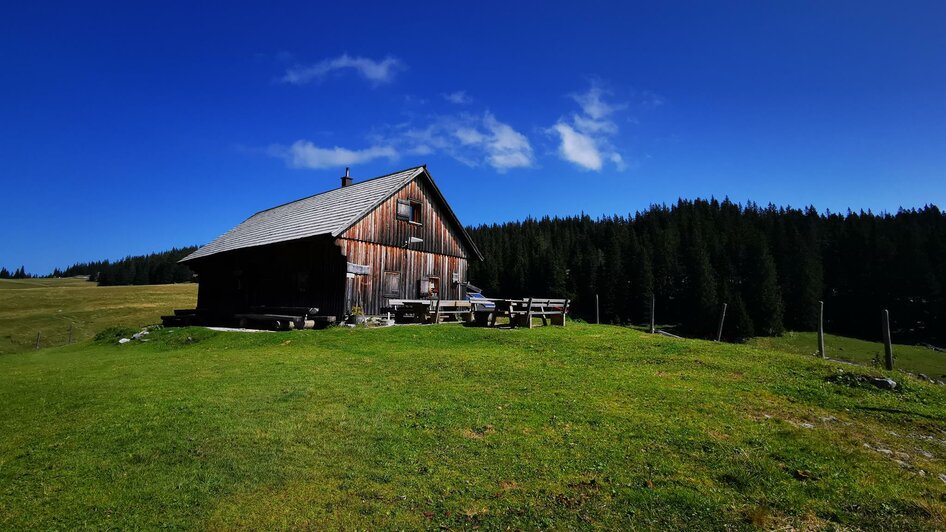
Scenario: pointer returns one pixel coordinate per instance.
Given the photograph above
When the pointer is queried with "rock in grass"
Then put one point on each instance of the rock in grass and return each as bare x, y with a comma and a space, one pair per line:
802, 474
124, 341
884, 383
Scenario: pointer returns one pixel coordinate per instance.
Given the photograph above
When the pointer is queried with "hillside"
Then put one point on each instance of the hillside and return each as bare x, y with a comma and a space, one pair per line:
913, 358
50, 306
446, 426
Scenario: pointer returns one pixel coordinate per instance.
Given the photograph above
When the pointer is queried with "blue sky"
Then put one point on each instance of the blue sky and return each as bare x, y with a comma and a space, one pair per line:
128, 128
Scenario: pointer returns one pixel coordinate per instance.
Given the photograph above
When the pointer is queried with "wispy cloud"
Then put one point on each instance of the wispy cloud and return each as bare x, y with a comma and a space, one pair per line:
505, 147
585, 138
473, 140
593, 104
457, 97
577, 147
377, 72
305, 154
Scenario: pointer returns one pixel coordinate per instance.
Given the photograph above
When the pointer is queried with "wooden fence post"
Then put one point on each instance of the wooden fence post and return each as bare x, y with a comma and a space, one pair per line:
653, 328
722, 318
597, 314
888, 345
37, 340
821, 352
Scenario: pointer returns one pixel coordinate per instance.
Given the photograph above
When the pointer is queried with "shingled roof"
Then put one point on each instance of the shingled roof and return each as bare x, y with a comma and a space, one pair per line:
328, 213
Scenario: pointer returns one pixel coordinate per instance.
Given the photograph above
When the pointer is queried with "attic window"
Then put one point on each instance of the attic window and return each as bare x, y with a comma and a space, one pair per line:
409, 211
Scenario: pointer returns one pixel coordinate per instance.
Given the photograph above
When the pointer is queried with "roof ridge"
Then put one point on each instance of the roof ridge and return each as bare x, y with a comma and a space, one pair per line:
337, 188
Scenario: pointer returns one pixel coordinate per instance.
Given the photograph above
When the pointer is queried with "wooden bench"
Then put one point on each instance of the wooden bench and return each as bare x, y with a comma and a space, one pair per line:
521, 312
430, 310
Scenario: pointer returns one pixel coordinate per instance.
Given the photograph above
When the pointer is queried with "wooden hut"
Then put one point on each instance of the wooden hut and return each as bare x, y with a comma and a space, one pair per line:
359, 245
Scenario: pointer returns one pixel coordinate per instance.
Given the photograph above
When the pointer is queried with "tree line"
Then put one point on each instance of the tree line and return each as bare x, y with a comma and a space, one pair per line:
770, 265
155, 268
19, 273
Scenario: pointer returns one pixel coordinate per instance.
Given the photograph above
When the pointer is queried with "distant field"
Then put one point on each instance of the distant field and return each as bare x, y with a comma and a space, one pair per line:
455, 428
50, 306
13, 284
907, 357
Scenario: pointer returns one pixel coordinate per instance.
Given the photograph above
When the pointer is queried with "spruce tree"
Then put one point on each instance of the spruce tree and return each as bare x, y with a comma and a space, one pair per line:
761, 289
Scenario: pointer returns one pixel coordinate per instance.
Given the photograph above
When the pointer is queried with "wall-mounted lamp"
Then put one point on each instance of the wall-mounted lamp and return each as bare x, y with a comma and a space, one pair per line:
412, 240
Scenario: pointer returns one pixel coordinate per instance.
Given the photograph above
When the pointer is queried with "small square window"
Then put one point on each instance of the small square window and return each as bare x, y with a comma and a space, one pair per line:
430, 287
409, 211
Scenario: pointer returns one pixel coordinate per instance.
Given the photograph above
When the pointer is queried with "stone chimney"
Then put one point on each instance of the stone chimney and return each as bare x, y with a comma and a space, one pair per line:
346, 179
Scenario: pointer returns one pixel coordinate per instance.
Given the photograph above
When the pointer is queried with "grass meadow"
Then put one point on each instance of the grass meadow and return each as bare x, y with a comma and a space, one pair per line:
446, 427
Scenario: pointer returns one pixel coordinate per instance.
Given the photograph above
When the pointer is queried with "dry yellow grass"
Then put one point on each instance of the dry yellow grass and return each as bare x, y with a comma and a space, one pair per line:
51, 306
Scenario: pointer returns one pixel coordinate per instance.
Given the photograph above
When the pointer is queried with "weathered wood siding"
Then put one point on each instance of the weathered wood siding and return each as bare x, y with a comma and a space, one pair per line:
381, 225
366, 291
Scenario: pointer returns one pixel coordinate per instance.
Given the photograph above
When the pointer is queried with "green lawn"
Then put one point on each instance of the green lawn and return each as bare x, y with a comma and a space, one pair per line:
916, 359
50, 306
446, 426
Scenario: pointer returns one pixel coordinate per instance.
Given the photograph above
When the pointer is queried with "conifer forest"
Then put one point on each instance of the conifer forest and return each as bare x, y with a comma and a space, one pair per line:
770, 265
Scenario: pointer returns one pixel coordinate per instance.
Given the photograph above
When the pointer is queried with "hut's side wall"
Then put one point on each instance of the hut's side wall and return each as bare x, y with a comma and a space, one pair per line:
370, 292
303, 273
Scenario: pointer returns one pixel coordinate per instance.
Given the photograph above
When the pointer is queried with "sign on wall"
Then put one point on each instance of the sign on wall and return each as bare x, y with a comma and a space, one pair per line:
359, 269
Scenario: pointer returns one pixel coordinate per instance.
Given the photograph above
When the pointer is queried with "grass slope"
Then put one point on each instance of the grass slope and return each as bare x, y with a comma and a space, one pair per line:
913, 358
50, 306
446, 426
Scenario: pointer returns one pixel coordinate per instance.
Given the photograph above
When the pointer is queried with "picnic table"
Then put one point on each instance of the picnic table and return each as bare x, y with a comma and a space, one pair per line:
430, 310
481, 311
522, 311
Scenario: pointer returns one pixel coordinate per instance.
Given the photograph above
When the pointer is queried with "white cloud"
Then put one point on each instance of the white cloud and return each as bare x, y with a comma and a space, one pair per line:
458, 97
468, 135
585, 140
377, 72
471, 139
577, 147
593, 104
591, 125
305, 154
506, 147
